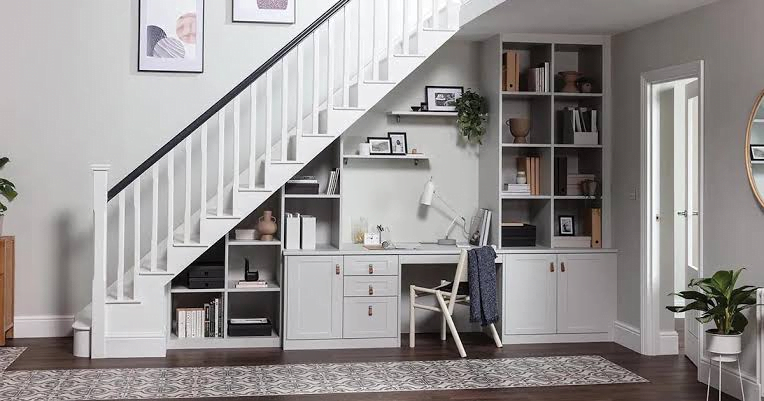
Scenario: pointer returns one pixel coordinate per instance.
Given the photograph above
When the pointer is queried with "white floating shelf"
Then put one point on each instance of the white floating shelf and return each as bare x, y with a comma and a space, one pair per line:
243, 242
415, 157
406, 113
311, 196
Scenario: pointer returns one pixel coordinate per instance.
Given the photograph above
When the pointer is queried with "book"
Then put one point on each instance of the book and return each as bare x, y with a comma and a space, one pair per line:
511, 70
486, 228
252, 284
476, 226
537, 164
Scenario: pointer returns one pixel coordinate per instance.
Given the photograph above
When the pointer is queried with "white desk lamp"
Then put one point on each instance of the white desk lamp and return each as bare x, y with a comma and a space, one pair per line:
426, 199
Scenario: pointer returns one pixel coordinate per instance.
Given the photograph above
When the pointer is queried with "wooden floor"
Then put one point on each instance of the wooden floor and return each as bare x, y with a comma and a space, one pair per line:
671, 377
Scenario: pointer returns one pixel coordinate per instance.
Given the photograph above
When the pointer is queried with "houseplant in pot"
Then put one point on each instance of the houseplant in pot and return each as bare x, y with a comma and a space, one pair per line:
716, 299
472, 110
7, 191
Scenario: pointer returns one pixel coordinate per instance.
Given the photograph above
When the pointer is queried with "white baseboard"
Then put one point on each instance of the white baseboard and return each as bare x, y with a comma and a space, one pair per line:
141, 345
42, 326
627, 335
668, 343
730, 380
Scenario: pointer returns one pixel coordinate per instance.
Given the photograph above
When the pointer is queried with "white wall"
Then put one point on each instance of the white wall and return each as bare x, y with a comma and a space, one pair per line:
727, 36
72, 97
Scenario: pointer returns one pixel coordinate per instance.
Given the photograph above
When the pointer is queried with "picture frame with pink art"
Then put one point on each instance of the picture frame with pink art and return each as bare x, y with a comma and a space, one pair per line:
171, 36
264, 11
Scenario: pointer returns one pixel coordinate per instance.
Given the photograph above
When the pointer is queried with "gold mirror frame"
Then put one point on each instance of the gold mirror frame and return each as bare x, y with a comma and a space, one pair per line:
748, 160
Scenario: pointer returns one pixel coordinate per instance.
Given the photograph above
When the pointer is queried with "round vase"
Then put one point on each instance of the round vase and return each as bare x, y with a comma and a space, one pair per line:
724, 344
585, 87
570, 78
589, 187
519, 128
521, 178
266, 226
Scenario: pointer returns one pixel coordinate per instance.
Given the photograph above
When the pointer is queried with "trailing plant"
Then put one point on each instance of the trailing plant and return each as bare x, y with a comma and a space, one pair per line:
717, 299
473, 114
7, 188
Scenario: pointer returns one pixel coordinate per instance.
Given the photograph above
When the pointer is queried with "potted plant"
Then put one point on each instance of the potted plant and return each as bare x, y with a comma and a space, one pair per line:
473, 114
717, 299
7, 190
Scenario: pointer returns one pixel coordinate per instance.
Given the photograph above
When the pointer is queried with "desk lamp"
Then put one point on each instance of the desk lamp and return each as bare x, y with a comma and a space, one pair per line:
426, 200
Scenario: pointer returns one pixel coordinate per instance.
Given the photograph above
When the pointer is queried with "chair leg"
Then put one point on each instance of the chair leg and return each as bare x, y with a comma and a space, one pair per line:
443, 328
495, 335
451, 325
412, 317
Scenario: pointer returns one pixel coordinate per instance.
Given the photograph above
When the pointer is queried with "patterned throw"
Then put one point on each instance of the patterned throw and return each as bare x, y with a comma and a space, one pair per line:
297, 379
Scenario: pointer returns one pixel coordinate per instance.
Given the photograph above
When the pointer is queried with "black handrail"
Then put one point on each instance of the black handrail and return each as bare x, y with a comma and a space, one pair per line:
196, 124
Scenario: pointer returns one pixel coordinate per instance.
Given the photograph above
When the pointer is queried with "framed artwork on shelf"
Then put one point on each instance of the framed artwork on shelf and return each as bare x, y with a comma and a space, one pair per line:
757, 152
399, 143
442, 98
380, 146
171, 36
264, 11
567, 226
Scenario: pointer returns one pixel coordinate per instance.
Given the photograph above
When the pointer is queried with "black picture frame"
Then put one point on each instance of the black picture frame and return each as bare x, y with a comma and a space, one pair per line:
371, 141
141, 60
405, 145
432, 102
757, 149
238, 19
561, 223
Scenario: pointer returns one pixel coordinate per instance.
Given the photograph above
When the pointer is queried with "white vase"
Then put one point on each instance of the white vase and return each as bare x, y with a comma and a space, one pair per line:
724, 344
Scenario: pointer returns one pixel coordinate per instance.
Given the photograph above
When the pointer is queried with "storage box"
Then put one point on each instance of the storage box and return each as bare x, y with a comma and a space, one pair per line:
261, 327
292, 231
302, 188
586, 138
572, 242
574, 181
203, 283
308, 231
205, 271
518, 236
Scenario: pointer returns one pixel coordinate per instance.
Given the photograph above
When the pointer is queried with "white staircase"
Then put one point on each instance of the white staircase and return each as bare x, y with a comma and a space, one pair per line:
163, 216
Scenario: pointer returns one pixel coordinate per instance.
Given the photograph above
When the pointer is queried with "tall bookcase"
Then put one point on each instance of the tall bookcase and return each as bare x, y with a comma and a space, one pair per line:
588, 55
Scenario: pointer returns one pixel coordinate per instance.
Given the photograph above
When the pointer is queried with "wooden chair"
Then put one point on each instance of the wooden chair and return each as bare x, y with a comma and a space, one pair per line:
447, 295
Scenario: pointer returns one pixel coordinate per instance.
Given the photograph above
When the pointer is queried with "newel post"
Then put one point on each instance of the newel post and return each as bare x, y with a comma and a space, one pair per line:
98, 324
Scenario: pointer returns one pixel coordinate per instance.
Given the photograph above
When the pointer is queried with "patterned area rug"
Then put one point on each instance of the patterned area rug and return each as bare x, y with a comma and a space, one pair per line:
298, 379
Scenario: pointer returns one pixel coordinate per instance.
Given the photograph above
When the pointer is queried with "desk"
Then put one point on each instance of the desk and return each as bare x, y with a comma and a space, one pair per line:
326, 305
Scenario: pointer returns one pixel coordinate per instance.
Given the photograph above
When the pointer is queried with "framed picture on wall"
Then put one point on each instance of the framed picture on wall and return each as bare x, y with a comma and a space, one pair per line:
567, 226
442, 98
757, 152
380, 146
171, 35
265, 11
398, 143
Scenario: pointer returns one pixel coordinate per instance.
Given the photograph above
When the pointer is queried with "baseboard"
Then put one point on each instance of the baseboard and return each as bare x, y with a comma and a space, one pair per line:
42, 326
730, 381
668, 343
147, 345
627, 336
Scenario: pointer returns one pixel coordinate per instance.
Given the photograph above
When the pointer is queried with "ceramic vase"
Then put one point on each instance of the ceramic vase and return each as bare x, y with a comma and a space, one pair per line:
520, 128
570, 78
266, 226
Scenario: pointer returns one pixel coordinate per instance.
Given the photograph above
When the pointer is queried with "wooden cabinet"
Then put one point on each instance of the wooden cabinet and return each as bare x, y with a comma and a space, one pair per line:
370, 317
314, 297
530, 305
7, 274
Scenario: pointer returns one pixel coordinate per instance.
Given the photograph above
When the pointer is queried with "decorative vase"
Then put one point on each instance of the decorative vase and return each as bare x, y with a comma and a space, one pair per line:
266, 226
521, 178
724, 344
570, 78
364, 149
589, 187
585, 86
272, 4
520, 128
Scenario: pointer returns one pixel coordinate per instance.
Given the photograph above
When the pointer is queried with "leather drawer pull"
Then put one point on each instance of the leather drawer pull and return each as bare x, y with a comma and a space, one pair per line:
371, 310
562, 267
371, 269
551, 267
371, 290
337, 269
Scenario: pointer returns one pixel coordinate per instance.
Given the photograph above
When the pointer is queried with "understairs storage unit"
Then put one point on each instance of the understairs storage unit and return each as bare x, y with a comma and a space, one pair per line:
153, 224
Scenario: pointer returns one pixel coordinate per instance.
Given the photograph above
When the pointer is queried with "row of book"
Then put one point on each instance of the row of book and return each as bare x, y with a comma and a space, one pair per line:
252, 284
480, 227
532, 167
579, 119
203, 322
538, 78
333, 187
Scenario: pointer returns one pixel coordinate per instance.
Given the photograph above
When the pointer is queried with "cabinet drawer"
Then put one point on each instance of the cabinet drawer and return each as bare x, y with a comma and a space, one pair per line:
370, 317
375, 286
378, 265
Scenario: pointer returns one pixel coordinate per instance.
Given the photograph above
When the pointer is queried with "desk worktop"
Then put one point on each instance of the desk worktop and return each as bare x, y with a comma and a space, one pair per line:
430, 249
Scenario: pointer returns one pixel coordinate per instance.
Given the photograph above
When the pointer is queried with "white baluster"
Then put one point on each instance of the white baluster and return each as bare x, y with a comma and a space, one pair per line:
405, 45
360, 44
419, 25
434, 14
236, 151
170, 198
268, 127
300, 94
316, 80
187, 205
374, 63
390, 39
330, 77
154, 217
137, 228
203, 184
121, 248
284, 108
100, 213
346, 58
252, 135
221, 160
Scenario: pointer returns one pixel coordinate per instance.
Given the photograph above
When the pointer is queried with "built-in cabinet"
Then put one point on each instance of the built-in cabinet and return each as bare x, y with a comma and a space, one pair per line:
314, 299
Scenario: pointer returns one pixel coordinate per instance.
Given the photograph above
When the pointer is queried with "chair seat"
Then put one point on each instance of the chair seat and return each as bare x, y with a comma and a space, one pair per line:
463, 290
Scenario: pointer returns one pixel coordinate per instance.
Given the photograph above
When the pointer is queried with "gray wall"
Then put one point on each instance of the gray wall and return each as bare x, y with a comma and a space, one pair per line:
727, 35
72, 97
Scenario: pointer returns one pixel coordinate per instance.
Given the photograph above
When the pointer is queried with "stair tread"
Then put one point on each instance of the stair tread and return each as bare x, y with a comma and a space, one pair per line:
114, 301
379, 82
222, 217
343, 108
286, 162
246, 189
189, 245
410, 55
439, 29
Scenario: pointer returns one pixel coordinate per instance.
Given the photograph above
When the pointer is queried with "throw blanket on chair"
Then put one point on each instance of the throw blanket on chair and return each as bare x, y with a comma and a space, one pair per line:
482, 279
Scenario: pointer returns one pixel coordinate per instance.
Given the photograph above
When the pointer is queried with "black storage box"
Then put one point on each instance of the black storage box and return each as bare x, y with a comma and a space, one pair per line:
205, 276
518, 236
250, 327
300, 188
206, 283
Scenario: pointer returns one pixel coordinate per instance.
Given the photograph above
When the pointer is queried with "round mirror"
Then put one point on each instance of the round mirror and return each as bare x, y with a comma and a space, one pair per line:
754, 152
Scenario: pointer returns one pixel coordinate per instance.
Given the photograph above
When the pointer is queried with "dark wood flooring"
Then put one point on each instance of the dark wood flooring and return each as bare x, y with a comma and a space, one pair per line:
671, 377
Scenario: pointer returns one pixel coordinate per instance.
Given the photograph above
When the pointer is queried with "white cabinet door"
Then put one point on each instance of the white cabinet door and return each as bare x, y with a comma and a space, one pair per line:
530, 294
314, 297
586, 293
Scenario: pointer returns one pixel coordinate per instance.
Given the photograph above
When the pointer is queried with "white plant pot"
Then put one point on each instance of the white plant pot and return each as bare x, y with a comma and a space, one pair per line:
721, 344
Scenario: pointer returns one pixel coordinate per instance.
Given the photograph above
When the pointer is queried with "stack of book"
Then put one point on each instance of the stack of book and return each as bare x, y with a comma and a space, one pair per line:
517, 189
204, 322
538, 78
480, 227
532, 167
333, 187
252, 284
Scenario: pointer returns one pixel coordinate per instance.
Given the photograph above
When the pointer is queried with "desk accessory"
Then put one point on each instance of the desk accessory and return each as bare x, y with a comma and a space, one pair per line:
250, 275
426, 200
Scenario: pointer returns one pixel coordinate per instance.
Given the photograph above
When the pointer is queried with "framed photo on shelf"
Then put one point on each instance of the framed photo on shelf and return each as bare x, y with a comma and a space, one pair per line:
264, 11
171, 36
380, 146
442, 98
757, 152
399, 143
567, 226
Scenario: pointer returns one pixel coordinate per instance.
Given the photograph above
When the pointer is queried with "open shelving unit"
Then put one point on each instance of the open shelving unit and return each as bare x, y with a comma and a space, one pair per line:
585, 54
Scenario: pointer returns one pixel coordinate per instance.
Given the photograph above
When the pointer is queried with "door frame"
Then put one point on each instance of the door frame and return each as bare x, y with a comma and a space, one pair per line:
650, 294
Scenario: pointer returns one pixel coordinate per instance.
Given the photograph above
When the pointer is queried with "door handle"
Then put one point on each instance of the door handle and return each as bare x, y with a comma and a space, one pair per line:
337, 269
683, 213
696, 213
551, 267
562, 267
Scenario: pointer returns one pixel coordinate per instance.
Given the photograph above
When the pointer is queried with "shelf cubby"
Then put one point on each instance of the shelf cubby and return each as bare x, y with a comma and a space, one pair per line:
563, 102
535, 108
509, 168
584, 58
529, 55
536, 212
576, 208
248, 305
266, 260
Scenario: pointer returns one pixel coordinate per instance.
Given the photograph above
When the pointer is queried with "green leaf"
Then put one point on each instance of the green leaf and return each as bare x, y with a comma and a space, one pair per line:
4, 161
738, 323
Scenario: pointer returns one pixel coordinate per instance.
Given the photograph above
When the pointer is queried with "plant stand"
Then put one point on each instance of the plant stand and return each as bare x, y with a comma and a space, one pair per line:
723, 358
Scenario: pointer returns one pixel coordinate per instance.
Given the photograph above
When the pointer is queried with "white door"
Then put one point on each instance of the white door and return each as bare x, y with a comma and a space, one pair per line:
530, 288
585, 293
314, 297
692, 215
